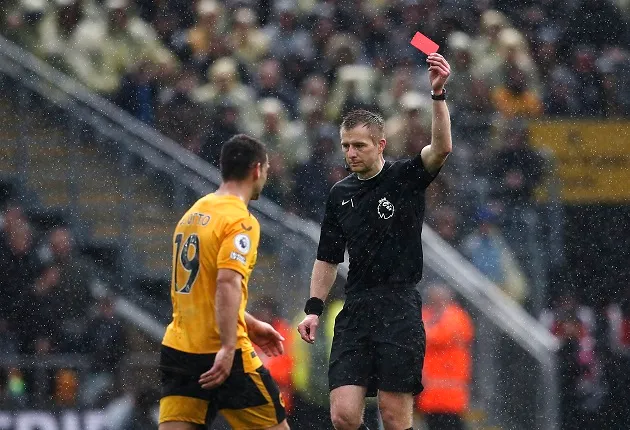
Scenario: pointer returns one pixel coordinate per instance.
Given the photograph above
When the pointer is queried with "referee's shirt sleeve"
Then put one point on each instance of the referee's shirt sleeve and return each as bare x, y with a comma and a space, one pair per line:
415, 172
332, 243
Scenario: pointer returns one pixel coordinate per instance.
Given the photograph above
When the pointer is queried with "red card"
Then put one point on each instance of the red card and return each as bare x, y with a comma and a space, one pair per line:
424, 44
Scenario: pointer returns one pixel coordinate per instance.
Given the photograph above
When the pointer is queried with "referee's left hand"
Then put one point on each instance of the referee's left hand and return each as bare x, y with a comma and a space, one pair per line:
308, 327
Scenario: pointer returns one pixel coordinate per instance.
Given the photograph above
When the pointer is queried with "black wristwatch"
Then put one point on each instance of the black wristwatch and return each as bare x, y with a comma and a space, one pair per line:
439, 96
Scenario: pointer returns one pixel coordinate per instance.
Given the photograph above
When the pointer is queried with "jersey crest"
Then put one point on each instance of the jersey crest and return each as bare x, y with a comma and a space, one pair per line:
385, 209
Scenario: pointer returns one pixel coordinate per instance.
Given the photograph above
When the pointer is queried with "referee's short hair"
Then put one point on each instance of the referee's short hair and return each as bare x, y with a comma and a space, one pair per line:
238, 155
371, 120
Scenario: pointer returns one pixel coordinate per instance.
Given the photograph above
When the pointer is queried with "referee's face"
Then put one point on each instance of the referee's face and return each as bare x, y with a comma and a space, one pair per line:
361, 151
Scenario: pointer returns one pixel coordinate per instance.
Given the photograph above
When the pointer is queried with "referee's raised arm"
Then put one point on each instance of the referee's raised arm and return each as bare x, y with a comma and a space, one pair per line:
435, 154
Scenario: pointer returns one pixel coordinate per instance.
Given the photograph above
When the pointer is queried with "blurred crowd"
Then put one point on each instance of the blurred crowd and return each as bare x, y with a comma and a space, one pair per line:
285, 71
594, 360
48, 310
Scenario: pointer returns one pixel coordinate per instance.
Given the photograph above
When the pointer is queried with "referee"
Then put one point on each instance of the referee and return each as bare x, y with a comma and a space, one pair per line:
377, 213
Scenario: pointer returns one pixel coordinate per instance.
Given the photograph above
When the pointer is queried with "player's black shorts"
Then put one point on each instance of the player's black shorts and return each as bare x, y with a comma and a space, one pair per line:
379, 341
248, 399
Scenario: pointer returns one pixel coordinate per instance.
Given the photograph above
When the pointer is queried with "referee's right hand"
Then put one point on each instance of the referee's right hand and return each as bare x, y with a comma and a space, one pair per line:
308, 327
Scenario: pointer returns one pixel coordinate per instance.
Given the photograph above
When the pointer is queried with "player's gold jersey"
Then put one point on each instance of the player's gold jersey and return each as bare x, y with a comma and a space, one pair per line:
217, 232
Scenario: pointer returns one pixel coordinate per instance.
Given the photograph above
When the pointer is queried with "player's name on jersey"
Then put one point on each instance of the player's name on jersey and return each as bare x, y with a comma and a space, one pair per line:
196, 218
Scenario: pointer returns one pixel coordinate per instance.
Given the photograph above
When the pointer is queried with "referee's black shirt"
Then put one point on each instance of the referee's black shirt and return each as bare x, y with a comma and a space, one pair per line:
380, 222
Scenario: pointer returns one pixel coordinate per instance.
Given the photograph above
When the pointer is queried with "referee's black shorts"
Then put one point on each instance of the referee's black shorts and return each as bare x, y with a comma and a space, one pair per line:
379, 341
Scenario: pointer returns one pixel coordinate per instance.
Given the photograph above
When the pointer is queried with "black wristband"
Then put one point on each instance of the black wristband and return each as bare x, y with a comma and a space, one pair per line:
314, 306
440, 96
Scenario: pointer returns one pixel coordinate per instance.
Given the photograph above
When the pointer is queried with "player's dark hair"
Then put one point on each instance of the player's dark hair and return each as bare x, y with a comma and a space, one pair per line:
373, 121
239, 154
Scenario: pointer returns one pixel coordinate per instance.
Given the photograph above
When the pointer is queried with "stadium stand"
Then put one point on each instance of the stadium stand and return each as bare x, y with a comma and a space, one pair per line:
285, 71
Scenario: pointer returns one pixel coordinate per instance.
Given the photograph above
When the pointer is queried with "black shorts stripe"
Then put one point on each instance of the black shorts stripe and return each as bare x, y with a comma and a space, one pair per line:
274, 392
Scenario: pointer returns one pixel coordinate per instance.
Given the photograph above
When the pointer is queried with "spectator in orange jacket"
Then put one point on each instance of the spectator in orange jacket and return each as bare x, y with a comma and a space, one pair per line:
448, 360
281, 367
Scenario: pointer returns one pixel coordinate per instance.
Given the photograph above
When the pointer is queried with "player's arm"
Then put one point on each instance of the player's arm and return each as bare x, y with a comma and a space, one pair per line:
435, 154
228, 301
227, 304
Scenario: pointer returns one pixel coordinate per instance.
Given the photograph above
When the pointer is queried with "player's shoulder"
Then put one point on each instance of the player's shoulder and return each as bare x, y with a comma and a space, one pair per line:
247, 222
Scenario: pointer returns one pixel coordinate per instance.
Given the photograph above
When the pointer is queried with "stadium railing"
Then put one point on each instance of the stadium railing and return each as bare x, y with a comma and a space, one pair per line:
514, 382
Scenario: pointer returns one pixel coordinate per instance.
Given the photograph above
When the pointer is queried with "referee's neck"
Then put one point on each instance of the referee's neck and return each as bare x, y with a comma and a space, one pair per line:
374, 171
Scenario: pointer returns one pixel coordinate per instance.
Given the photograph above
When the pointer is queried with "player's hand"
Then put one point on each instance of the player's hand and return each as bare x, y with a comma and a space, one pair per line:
439, 71
220, 370
308, 327
267, 338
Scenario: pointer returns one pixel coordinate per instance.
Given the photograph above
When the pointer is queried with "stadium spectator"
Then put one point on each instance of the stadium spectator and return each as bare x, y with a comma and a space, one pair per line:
225, 86
282, 139
105, 342
285, 36
270, 84
179, 116
447, 370
13, 393
516, 168
74, 296
19, 266
619, 367
104, 50
409, 131
250, 43
460, 46
223, 125
138, 92
446, 222
514, 98
488, 251
515, 171
597, 23
611, 66
582, 384
203, 42
282, 136
486, 43
24, 24
57, 29
313, 98
314, 178
399, 84
589, 85
560, 98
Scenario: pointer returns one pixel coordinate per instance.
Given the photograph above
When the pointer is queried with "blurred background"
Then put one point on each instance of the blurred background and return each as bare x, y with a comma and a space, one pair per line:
112, 115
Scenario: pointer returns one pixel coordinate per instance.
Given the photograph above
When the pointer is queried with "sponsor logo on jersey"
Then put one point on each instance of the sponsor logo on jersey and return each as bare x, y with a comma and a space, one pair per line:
238, 257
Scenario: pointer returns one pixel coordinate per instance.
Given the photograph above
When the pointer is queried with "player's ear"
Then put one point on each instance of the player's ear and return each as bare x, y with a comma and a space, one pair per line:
257, 171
